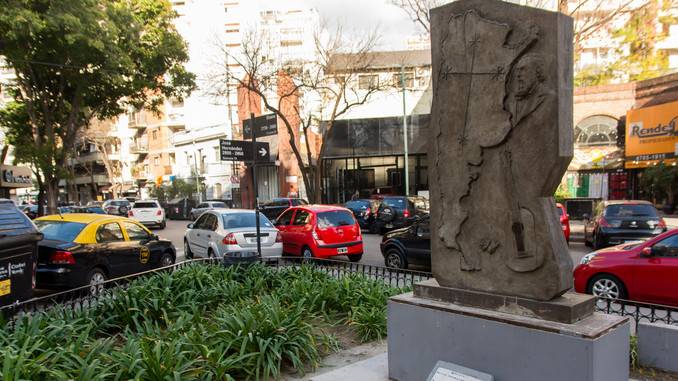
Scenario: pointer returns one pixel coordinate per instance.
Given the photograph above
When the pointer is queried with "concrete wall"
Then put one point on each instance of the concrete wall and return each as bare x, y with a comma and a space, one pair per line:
658, 346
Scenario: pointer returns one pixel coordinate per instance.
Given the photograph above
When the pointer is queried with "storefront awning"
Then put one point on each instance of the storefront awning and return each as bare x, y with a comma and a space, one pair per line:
652, 135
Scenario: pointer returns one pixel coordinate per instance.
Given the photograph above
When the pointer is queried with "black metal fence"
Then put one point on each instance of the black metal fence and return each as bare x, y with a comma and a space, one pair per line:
86, 296
638, 311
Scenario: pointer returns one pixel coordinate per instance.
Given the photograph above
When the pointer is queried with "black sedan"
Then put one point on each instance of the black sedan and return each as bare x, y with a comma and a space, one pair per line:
408, 246
364, 211
87, 249
616, 222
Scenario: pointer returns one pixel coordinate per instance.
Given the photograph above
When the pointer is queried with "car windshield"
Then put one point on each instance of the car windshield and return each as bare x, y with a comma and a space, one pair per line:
60, 230
119, 203
394, 202
138, 205
358, 204
244, 220
335, 218
219, 205
630, 210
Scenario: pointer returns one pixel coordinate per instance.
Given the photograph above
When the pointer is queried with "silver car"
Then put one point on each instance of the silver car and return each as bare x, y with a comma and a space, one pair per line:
205, 206
219, 232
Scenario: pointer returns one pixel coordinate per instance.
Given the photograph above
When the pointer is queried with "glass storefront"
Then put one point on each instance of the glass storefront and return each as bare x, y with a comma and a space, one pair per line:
366, 157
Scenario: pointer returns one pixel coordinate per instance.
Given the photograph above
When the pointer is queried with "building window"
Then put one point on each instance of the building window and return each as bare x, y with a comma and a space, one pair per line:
173, 158
156, 161
289, 43
217, 154
409, 80
369, 81
599, 130
155, 135
217, 191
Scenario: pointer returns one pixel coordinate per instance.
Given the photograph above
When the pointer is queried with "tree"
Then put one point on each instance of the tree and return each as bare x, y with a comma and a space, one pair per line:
98, 134
76, 60
660, 182
327, 86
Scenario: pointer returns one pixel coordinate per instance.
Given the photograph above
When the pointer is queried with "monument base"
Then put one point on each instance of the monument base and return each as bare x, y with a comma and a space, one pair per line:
507, 346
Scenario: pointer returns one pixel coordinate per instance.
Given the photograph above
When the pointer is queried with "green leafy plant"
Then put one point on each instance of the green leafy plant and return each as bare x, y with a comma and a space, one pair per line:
199, 322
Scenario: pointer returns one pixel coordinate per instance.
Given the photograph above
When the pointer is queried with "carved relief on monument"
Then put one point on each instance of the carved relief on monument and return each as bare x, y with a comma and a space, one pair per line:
496, 137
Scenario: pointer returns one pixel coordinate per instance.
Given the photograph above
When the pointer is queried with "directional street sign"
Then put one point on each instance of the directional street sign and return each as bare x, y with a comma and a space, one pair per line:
238, 150
264, 125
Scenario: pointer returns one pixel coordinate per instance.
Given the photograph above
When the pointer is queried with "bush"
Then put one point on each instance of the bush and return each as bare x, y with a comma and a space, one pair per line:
199, 322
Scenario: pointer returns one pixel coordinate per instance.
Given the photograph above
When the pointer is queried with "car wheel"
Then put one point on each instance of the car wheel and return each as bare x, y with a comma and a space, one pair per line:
395, 259
607, 286
187, 250
163, 225
306, 253
373, 228
123, 210
95, 280
387, 214
355, 257
210, 253
166, 260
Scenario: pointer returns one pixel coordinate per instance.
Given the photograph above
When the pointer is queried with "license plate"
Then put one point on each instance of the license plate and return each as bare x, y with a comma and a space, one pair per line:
342, 250
252, 240
388, 226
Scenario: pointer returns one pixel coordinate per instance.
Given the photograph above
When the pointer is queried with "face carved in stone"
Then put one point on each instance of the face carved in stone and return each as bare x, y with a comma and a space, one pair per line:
529, 73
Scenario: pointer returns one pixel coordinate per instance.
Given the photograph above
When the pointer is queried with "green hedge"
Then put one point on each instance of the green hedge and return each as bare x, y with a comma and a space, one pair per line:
200, 322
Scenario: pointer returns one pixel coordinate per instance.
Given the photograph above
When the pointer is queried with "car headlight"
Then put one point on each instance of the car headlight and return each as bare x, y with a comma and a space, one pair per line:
587, 258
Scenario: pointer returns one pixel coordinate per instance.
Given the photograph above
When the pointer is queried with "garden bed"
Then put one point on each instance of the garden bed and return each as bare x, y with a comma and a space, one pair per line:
200, 322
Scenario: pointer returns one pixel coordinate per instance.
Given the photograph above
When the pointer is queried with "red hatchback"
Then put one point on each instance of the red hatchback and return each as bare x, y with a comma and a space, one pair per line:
320, 231
643, 271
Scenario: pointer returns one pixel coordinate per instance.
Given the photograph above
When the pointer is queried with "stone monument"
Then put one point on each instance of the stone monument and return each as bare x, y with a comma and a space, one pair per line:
501, 140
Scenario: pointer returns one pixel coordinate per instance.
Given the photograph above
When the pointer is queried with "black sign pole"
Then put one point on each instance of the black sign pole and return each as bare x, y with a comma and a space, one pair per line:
254, 182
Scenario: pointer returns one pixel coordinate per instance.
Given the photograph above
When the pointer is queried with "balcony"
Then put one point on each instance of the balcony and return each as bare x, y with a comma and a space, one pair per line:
175, 121
139, 147
137, 120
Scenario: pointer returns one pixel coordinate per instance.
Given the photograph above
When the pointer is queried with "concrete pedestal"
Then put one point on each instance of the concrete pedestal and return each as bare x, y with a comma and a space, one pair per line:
509, 347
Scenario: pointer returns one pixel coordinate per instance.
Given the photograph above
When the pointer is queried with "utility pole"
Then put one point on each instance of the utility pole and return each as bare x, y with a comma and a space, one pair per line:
407, 161
197, 175
254, 182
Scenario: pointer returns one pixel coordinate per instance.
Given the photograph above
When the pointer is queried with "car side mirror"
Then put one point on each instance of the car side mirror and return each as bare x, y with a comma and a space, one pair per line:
646, 252
190, 226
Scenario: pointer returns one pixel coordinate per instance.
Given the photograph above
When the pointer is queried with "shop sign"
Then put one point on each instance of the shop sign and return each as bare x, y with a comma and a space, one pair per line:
15, 177
651, 135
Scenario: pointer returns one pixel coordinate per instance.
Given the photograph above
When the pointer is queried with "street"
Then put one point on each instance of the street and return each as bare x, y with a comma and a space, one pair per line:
372, 256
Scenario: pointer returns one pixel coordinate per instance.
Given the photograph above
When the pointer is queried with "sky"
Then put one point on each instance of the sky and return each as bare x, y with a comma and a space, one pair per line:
394, 24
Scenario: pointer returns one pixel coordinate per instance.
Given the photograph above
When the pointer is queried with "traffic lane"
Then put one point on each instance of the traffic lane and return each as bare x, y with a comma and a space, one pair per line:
372, 254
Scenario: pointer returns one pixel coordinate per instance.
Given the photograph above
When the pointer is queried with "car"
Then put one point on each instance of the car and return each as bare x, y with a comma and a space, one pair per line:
616, 222
564, 221
31, 211
408, 246
95, 203
272, 209
86, 249
320, 231
399, 211
643, 271
118, 207
364, 211
149, 213
205, 206
229, 233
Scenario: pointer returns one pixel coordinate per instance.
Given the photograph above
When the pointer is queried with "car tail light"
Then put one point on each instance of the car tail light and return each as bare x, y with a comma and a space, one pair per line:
130, 214
62, 258
406, 213
158, 213
229, 239
278, 237
602, 222
662, 224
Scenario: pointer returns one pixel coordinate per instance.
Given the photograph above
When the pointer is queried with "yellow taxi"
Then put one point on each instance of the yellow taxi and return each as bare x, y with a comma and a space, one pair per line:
86, 249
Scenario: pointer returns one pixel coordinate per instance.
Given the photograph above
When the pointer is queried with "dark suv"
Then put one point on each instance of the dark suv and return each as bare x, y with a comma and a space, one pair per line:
272, 209
399, 211
364, 211
616, 222
408, 246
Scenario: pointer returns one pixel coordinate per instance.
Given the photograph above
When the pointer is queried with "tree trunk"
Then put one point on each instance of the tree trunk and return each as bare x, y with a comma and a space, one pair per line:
52, 195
